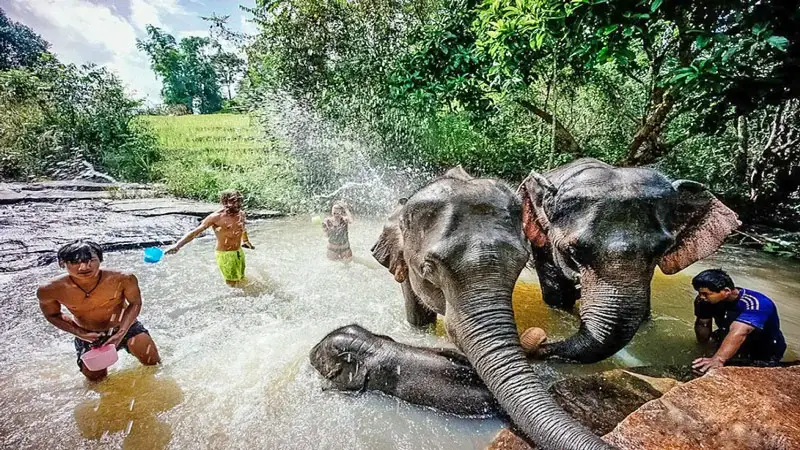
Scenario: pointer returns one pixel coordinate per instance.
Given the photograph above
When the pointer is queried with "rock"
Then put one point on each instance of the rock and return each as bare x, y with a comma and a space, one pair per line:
52, 191
38, 218
729, 408
166, 206
598, 401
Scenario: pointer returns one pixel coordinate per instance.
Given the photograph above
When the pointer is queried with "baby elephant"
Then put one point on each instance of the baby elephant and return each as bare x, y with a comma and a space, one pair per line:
354, 359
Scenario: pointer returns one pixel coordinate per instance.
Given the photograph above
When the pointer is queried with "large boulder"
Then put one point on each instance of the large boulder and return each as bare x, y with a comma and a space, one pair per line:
598, 401
729, 408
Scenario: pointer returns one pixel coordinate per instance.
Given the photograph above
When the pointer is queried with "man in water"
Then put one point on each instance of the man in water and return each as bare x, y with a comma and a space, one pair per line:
104, 306
228, 226
747, 322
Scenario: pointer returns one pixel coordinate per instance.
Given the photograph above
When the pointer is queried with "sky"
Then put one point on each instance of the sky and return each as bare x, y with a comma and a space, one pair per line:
104, 32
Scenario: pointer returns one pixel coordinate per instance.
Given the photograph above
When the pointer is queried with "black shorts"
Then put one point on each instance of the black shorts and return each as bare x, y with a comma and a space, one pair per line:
82, 346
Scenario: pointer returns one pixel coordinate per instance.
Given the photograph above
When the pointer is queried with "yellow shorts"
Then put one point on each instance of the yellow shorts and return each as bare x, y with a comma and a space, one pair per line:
231, 264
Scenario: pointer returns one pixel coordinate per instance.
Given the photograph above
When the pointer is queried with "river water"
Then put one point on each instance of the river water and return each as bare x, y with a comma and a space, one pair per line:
235, 370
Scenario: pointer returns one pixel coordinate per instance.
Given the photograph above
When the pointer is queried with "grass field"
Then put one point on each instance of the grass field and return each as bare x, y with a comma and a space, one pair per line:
201, 155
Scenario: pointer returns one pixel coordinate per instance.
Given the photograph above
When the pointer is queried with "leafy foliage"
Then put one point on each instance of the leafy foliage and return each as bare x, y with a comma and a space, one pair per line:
503, 87
186, 68
19, 45
55, 112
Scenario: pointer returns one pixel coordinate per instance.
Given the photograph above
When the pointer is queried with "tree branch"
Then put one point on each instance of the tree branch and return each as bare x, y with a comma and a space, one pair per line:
572, 145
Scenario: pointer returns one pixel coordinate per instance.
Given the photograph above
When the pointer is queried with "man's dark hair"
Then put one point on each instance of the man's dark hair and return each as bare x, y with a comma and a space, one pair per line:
79, 251
230, 194
715, 280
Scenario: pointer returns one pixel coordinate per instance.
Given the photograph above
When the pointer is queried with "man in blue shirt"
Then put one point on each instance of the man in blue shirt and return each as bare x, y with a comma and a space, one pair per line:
747, 322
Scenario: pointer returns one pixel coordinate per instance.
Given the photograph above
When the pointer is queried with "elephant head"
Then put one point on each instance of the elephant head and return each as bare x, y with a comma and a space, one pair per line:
458, 244
604, 229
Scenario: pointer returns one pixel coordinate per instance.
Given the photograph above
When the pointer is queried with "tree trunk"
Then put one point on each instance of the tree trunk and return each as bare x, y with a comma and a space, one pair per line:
645, 147
569, 144
740, 159
775, 173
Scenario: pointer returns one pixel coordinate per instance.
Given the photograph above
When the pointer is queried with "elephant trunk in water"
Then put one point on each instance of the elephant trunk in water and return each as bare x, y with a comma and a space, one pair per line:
611, 312
495, 352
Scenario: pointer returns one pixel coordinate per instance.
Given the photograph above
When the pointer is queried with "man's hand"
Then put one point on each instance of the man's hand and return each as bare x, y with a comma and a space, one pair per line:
702, 365
115, 339
89, 336
172, 250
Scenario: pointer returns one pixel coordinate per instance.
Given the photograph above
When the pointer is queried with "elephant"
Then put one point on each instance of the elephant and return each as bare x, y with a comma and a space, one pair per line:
598, 231
457, 246
353, 359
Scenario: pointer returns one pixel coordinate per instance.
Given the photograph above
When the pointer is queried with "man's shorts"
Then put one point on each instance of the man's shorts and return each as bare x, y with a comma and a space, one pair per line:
82, 346
231, 264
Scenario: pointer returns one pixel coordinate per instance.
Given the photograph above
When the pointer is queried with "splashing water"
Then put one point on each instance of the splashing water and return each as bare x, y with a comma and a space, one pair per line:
336, 164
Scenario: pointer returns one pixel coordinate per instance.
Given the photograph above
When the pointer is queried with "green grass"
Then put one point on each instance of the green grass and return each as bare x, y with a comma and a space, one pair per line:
201, 155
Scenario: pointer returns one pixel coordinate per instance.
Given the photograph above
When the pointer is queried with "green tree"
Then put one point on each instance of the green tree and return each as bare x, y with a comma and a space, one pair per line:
229, 66
186, 69
19, 45
55, 113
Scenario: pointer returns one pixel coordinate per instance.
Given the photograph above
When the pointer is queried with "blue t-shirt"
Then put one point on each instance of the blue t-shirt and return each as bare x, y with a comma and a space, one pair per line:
753, 308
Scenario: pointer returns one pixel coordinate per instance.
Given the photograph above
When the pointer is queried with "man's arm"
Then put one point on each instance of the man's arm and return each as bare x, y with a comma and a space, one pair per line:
133, 296
207, 222
730, 345
702, 330
245, 239
51, 309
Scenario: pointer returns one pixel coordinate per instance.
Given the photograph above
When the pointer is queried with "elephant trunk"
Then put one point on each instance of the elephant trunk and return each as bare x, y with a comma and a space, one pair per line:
611, 312
488, 336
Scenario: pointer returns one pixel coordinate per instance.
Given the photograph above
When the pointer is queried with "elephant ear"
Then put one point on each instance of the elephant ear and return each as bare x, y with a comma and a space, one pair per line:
388, 250
700, 222
536, 191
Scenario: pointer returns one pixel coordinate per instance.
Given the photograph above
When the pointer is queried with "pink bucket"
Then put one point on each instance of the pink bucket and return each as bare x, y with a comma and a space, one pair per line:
100, 358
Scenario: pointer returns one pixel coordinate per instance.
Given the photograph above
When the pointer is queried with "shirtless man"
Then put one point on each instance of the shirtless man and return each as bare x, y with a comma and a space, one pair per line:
228, 226
104, 306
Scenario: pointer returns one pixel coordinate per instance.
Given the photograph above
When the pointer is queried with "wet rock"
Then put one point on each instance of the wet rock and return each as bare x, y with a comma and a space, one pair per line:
598, 401
51, 191
166, 206
730, 408
38, 218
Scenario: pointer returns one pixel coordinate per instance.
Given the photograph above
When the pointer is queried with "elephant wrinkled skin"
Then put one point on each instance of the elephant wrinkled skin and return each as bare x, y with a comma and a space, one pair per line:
597, 232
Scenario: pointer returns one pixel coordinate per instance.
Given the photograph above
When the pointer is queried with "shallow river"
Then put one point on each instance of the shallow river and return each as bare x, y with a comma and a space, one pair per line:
235, 370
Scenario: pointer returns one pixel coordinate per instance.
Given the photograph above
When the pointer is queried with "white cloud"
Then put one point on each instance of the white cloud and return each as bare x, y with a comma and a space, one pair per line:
80, 31
144, 13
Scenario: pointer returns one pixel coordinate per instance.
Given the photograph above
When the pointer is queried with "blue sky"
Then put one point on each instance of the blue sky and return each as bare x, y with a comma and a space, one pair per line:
105, 31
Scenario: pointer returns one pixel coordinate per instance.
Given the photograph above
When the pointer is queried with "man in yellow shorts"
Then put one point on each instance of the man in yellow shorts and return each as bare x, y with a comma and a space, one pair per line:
228, 226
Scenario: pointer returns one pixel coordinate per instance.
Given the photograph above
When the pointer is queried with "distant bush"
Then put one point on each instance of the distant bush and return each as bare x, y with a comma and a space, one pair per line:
52, 111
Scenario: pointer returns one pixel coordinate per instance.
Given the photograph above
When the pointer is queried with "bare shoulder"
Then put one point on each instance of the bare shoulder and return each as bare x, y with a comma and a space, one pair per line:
125, 277
52, 286
214, 217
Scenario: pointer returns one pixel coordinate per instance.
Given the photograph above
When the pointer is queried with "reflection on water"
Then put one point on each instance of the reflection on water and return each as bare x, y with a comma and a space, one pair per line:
236, 371
130, 401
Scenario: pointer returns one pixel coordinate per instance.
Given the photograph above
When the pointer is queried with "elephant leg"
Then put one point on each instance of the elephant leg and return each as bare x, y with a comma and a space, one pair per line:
417, 314
354, 359
557, 290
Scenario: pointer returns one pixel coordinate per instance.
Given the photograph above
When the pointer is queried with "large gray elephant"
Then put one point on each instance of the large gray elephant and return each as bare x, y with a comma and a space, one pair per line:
458, 247
597, 232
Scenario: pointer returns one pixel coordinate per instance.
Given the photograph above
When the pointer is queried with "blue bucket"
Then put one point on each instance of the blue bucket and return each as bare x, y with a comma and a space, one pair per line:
153, 254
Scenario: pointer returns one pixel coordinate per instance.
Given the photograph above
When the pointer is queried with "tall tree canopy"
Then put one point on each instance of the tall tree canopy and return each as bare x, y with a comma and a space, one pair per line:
19, 45
186, 69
